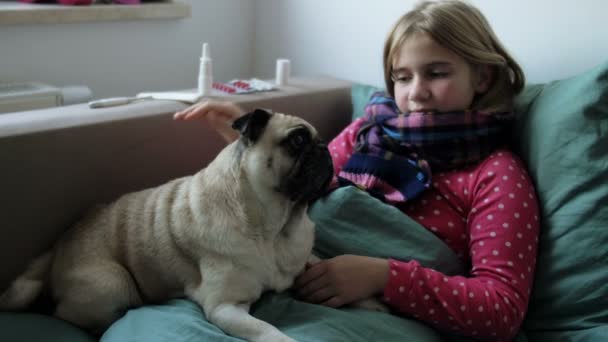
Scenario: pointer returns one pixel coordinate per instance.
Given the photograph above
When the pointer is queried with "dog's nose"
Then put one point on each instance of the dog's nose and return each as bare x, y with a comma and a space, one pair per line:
320, 142
322, 145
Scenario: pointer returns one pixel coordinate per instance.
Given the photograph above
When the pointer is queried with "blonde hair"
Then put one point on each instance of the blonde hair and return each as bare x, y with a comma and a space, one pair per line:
464, 30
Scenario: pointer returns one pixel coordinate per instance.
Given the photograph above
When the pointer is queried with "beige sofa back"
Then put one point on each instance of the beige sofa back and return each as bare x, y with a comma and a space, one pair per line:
56, 163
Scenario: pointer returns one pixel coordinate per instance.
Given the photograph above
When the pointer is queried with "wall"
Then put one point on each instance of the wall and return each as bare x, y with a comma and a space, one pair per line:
124, 58
550, 38
342, 38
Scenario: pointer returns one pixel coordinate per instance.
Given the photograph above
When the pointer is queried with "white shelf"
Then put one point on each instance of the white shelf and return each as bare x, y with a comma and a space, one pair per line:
16, 13
15, 97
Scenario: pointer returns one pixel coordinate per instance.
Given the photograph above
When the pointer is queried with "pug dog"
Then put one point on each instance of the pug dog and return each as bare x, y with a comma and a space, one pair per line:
219, 237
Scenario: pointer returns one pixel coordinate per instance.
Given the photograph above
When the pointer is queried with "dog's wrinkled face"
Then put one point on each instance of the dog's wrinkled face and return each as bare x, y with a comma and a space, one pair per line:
284, 152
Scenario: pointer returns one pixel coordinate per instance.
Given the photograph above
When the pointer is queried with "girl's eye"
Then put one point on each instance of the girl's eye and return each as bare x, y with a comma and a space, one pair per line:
438, 74
401, 78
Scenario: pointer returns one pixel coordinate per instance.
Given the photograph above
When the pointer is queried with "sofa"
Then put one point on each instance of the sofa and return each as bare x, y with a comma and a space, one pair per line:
58, 162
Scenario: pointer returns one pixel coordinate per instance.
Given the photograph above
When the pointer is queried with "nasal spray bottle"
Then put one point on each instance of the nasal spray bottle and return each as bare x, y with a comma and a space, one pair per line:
205, 73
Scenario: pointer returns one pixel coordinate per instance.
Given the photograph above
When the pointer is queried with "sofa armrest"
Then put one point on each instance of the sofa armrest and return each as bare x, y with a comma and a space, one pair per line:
58, 162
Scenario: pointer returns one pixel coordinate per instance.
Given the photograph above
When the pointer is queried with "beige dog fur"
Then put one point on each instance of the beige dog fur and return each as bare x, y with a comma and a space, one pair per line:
220, 237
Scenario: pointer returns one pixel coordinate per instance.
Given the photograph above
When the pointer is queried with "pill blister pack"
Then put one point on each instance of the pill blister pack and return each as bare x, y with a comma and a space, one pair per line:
244, 86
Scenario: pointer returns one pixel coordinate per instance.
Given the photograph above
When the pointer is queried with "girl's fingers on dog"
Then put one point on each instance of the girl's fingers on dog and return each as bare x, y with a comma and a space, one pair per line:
198, 111
320, 296
191, 112
315, 271
178, 115
227, 111
313, 286
182, 114
333, 302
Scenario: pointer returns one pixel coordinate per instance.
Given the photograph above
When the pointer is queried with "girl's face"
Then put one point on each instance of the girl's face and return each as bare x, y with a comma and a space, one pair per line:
429, 77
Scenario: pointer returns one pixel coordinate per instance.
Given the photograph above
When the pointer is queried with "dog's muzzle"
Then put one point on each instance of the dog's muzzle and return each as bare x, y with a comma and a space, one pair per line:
311, 174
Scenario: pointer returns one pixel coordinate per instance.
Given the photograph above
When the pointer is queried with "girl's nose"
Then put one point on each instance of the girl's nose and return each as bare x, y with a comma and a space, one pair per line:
419, 90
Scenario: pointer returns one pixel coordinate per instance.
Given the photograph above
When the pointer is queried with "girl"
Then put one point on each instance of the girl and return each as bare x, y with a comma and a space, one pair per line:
450, 88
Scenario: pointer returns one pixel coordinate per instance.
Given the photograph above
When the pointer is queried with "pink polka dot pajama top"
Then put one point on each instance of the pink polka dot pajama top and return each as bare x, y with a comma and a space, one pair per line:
488, 215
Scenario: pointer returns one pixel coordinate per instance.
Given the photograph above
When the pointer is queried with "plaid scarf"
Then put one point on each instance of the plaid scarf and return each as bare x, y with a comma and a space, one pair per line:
395, 152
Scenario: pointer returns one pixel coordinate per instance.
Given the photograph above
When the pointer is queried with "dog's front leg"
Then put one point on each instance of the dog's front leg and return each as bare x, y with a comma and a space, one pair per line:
235, 320
313, 259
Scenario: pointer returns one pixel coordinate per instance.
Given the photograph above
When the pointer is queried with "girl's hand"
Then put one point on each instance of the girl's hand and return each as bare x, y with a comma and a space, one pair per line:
218, 114
342, 280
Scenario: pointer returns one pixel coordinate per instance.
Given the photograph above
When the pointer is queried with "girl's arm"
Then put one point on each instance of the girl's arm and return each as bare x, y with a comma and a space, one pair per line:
218, 114
490, 302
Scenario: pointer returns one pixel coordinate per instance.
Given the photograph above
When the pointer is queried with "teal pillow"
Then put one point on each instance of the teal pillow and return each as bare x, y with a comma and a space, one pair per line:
350, 221
360, 95
562, 135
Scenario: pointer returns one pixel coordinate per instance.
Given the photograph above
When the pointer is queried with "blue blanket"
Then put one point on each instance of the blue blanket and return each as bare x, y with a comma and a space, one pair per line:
348, 221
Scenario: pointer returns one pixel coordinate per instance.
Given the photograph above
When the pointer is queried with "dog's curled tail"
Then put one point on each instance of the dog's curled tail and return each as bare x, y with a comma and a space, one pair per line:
24, 290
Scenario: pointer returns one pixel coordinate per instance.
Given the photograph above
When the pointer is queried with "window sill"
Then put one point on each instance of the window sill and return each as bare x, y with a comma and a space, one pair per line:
16, 13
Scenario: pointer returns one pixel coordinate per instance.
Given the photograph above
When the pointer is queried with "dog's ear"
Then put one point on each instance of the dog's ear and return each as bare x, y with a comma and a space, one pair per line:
252, 124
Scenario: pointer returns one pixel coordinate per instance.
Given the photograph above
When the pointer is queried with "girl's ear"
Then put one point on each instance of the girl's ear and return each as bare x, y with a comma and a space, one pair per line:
484, 77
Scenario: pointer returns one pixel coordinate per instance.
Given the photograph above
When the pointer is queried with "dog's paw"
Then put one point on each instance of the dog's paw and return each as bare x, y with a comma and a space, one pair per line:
371, 304
275, 336
312, 259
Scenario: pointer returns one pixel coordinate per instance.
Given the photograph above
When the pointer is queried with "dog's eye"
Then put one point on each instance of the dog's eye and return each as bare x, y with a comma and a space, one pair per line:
297, 140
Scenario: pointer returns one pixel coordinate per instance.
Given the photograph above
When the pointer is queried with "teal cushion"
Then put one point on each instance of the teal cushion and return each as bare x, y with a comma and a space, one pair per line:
562, 135
350, 221
34, 327
599, 333
178, 320
360, 95
181, 320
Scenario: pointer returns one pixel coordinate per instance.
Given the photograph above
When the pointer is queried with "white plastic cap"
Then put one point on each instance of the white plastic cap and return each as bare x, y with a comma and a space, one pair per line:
282, 72
206, 54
